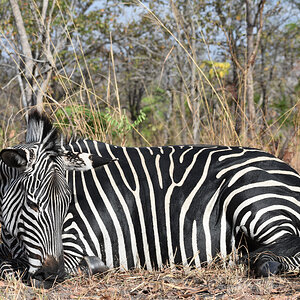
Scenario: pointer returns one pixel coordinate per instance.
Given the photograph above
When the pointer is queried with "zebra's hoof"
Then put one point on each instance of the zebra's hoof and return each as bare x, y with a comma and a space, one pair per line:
92, 265
269, 268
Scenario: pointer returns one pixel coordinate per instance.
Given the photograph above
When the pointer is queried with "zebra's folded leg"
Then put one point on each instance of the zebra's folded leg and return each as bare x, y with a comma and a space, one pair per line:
91, 265
13, 269
264, 266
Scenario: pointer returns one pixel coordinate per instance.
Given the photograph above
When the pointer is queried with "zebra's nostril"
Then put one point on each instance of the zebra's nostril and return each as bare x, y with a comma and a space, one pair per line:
50, 262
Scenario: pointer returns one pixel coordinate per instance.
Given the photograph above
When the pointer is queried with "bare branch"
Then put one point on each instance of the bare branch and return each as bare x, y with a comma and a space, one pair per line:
258, 37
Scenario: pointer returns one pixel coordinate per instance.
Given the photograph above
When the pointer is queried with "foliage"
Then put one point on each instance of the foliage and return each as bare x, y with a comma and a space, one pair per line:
122, 125
217, 69
157, 72
72, 114
96, 122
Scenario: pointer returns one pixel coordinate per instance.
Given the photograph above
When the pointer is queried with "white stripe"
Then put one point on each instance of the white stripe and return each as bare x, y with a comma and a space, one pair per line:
71, 255
249, 169
181, 158
106, 237
153, 210
195, 245
121, 242
186, 205
232, 155
245, 163
34, 264
81, 237
271, 220
275, 228
69, 216
283, 172
242, 223
158, 171
244, 150
124, 205
167, 211
150, 150
268, 209
240, 173
276, 236
74, 246
90, 231
69, 236
136, 194
206, 217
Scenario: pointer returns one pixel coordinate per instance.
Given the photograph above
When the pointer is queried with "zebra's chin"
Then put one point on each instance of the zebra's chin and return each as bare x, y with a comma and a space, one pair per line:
45, 284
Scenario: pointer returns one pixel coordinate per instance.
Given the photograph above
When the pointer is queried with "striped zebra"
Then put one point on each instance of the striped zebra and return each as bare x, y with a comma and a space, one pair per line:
91, 206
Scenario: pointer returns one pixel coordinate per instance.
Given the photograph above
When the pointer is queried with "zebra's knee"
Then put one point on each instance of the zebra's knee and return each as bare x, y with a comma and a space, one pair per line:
91, 265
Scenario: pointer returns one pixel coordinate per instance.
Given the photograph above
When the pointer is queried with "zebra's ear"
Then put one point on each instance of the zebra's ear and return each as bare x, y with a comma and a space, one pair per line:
15, 158
84, 161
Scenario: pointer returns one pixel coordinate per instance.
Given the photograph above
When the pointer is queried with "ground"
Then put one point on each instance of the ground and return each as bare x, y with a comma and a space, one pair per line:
206, 283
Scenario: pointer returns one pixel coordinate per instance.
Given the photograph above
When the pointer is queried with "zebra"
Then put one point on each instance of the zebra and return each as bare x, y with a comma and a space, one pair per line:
87, 205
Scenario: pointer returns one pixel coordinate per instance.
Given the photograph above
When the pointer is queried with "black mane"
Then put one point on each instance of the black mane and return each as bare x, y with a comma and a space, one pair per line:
40, 127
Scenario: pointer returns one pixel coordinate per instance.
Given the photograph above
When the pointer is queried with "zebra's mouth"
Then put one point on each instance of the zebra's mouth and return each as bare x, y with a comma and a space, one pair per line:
51, 272
40, 281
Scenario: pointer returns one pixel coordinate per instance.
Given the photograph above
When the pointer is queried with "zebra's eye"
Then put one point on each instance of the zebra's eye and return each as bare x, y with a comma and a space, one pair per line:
33, 205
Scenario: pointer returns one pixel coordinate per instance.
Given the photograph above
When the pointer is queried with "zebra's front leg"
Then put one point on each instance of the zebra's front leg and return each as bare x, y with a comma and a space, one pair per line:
91, 265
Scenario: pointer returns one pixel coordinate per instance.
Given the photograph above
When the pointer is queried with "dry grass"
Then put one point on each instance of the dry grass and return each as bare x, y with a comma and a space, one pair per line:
206, 283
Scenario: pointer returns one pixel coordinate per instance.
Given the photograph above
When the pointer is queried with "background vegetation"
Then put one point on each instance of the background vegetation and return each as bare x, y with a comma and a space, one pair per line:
155, 72
142, 73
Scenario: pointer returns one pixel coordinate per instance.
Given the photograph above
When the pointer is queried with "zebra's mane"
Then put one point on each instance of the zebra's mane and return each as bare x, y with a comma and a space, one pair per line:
40, 129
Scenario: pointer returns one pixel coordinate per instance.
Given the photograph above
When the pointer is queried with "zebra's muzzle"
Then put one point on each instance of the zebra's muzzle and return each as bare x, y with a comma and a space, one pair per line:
52, 271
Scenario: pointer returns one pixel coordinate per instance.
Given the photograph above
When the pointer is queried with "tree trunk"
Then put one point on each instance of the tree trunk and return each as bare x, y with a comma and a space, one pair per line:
252, 18
194, 97
38, 68
183, 114
249, 68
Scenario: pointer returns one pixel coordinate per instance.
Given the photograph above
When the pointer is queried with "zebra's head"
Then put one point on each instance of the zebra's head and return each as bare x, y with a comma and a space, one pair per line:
35, 196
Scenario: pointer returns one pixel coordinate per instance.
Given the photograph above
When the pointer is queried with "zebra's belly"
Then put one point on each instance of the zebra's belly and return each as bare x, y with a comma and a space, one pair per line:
195, 243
